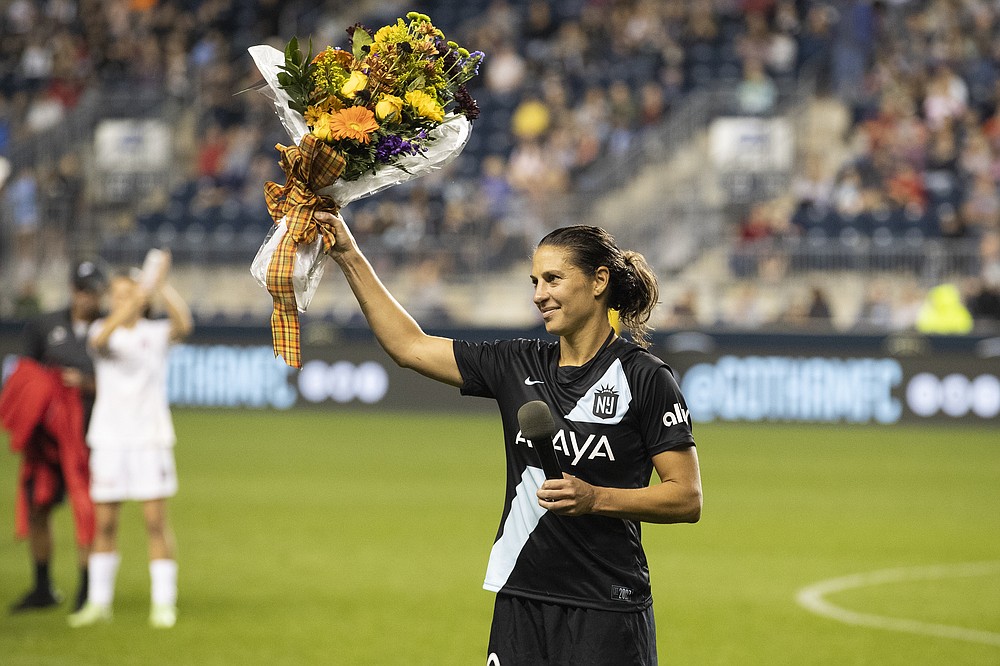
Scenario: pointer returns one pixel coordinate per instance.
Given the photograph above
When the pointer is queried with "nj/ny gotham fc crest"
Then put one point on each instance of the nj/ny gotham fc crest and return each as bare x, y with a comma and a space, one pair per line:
605, 402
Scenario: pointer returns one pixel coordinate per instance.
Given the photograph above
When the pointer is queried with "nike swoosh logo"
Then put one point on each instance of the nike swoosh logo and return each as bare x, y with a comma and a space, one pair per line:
528, 381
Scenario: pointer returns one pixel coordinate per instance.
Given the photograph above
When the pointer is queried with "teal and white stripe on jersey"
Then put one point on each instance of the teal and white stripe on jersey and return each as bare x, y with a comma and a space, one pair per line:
522, 519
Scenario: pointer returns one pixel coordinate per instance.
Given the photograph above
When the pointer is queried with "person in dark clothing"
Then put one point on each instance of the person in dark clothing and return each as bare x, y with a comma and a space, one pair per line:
59, 340
567, 565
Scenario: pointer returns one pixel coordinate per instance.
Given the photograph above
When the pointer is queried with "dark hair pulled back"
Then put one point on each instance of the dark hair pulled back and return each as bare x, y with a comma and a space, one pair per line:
632, 285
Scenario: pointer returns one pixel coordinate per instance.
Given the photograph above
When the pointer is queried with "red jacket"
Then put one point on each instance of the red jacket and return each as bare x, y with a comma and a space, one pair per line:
45, 421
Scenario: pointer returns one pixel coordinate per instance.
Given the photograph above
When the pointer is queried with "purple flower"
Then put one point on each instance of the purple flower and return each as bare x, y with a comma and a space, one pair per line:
477, 57
391, 146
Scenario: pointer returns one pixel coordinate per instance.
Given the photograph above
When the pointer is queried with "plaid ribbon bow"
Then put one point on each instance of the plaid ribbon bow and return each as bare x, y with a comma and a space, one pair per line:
308, 167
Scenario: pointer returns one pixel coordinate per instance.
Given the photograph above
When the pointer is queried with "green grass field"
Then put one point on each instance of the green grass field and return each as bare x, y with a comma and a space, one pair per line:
349, 538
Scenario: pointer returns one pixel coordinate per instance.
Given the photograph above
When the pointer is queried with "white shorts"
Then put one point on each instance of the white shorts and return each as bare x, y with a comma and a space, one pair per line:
120, 474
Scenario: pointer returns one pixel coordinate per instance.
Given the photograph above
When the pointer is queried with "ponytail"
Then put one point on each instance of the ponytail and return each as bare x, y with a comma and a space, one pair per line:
634, 295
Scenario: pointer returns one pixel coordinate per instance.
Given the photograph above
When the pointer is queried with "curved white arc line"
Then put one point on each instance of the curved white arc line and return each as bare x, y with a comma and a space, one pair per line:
811, 598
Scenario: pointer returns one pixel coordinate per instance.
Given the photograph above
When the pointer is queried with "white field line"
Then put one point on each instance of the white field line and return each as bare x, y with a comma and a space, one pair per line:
811, 598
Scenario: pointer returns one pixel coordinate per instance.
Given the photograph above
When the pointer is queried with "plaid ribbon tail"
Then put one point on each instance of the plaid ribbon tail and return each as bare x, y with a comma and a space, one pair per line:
308, 167
285, 335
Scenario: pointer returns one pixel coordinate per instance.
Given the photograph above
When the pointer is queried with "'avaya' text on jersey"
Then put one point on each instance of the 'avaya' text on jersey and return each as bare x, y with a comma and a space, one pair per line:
612, 416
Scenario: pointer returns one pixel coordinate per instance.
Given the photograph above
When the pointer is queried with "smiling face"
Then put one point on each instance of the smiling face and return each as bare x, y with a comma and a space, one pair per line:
568, 298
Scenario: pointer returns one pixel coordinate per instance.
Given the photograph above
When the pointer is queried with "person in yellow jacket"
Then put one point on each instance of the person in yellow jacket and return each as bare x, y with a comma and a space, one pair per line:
944, 313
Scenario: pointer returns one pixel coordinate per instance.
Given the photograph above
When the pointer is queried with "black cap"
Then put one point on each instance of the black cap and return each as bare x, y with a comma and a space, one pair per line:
87, 276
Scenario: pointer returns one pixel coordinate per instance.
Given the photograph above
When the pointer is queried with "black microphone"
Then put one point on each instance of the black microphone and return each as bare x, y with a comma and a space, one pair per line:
537, 425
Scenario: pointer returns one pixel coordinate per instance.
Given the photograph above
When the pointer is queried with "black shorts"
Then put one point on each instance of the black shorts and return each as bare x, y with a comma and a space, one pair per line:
526, 632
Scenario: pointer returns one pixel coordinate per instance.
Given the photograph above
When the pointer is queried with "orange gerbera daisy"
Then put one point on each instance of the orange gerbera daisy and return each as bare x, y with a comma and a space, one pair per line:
355, 122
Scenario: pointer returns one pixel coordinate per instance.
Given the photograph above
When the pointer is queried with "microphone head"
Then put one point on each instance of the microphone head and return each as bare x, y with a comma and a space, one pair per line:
535, 420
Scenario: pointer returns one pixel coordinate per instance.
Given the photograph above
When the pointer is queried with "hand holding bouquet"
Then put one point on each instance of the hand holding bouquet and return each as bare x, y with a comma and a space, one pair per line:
393, 108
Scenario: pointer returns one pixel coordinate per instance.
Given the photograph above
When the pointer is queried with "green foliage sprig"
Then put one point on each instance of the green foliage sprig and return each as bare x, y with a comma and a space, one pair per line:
296, 74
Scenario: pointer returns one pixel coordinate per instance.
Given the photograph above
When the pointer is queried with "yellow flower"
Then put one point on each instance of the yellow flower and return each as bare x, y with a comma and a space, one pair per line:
389, 107
392, 33
332, 69
356, 122
356, 83
424, 105
312, 115
321, 128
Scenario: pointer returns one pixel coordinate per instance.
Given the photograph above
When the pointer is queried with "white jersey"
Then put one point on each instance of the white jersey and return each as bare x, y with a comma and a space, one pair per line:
131, 409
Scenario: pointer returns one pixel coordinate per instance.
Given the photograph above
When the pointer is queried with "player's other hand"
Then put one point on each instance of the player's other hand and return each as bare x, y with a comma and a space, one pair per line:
568, 496
341, 239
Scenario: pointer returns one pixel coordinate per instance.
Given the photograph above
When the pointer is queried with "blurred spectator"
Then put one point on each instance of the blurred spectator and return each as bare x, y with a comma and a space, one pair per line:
755, 44
944, 313
652, 104
816, 43
505, 70
981, 207
905, 188
744, 308
848, 197
812, 185
989, 256
877, 309
531, 119
20, 203
819, 307
857, 34
812, 311
684, 312
26, 303
494, 188
427, 298
946, 99
756, 94
984, 301
530, 172
908, 308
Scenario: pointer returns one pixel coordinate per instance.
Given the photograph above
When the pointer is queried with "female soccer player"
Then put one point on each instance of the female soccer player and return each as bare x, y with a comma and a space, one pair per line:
567, 565
131, 437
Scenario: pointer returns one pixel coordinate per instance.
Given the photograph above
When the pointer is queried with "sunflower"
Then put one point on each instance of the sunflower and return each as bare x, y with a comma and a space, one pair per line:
425, 105
355, 122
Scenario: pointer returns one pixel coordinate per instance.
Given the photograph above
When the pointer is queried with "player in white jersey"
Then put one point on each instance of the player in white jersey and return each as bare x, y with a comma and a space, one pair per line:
131, 437
568, 568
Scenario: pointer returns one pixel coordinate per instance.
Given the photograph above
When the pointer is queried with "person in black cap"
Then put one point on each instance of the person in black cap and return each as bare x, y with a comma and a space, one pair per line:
58, 341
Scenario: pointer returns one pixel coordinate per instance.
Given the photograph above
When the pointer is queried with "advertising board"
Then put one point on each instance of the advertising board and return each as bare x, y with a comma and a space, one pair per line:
724, 377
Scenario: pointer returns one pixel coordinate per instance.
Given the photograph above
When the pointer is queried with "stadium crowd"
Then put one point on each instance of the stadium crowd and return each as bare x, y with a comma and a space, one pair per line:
565, 84
921, 81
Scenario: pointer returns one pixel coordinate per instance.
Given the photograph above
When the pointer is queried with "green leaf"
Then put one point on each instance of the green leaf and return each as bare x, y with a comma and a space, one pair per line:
359, 40
292, 54
417, 83
285, 79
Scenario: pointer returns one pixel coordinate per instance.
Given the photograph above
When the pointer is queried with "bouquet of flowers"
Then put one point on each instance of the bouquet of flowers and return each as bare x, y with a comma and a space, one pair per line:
392, 108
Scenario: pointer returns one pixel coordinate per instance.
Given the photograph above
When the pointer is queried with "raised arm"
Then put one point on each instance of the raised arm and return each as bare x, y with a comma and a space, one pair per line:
125, 309
397, 332
181, 322
154, 283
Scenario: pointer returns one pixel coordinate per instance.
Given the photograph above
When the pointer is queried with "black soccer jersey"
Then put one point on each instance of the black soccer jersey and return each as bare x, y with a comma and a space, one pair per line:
52, 340
612, 416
